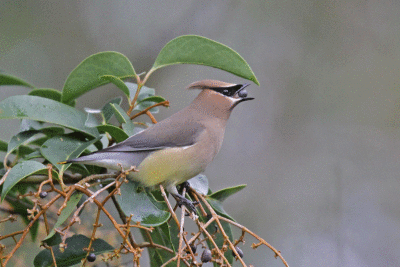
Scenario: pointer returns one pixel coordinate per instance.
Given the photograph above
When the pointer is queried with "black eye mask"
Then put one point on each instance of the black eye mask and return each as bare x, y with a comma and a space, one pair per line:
232, 90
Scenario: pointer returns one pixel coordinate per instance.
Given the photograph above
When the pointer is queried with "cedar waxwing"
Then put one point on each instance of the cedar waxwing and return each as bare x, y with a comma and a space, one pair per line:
179, 147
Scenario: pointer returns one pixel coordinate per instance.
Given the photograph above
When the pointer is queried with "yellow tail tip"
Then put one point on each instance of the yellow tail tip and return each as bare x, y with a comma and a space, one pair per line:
62, 162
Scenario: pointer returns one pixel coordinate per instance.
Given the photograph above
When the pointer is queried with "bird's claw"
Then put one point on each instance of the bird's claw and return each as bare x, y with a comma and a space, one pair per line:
190, 205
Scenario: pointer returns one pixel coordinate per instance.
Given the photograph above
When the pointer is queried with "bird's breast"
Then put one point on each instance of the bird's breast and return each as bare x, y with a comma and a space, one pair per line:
172, 165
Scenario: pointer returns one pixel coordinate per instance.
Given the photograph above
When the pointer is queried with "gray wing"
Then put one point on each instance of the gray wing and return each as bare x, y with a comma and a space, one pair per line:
164, 134
136, 148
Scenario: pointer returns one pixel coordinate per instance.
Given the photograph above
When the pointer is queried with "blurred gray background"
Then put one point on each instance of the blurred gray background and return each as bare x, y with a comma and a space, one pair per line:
319, 148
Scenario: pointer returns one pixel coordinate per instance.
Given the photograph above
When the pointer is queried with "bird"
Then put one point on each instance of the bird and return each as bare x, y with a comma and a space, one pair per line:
177, 148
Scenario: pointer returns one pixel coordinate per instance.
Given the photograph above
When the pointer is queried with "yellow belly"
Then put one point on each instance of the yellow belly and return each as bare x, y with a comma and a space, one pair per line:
170, 166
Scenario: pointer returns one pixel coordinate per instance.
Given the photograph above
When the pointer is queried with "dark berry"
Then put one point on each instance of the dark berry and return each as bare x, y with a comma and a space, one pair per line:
239, 252
206, 256
242, 93
91, 257
43, 194
194, 248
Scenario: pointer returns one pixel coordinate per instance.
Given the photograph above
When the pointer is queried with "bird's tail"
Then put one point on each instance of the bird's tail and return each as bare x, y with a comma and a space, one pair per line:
111, 160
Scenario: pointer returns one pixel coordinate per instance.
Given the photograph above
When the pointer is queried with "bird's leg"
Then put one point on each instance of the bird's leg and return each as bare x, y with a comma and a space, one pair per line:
185, 185
181, 200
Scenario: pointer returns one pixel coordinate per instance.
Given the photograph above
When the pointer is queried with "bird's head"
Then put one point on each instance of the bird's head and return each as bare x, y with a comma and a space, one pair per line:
222, 95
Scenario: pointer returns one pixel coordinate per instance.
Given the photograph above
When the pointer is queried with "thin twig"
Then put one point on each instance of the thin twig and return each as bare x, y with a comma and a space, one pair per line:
163, 103
27, 228
123, 218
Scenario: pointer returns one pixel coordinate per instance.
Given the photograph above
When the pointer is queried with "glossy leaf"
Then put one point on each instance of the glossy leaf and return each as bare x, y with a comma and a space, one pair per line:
20, 206
223, 194
124, 119
86, 76
115, 132
28, 136
73, 254
156, 99
42, 109
218, 207
193, 49
23, 151
19, 172
145, 92
3, 146
91, 120
50, 94
61, 148
160, 235
200, 184
27, 124
219, 239
34, 155
216, 199
65, 213
118, 82
143, 209
107, 110
119, 113
6, 79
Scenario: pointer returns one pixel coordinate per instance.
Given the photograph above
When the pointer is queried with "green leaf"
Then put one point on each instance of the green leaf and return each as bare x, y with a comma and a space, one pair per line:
223, 194
145, 92
3, 146
19, 172
108, 111
124, 119
91, 120
199, 183
118, 82
6, 79
86, 76
160, 235
30, 125
116, 133
218, 207
73, 254
193, 49
219, 239
154, 99
23, 138
216, 199
61, 148
42, 109
23, 151
120, 114
65, 213
50, 94
20, 207
34, 155
143, 209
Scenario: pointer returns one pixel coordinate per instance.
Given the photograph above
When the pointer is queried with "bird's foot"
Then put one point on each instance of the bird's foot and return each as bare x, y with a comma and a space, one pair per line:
190, 205
185, 185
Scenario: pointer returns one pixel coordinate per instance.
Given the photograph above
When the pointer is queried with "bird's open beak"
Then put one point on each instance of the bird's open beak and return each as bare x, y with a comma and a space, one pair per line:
244, 98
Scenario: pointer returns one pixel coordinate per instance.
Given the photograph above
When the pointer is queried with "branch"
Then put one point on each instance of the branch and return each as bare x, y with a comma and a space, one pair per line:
164, 103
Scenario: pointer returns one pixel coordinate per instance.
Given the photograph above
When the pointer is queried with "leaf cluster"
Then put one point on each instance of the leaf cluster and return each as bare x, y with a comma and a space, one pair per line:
52, 131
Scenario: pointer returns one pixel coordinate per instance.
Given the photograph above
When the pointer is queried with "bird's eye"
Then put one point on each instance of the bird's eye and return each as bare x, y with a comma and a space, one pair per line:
225, 92
242, 93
